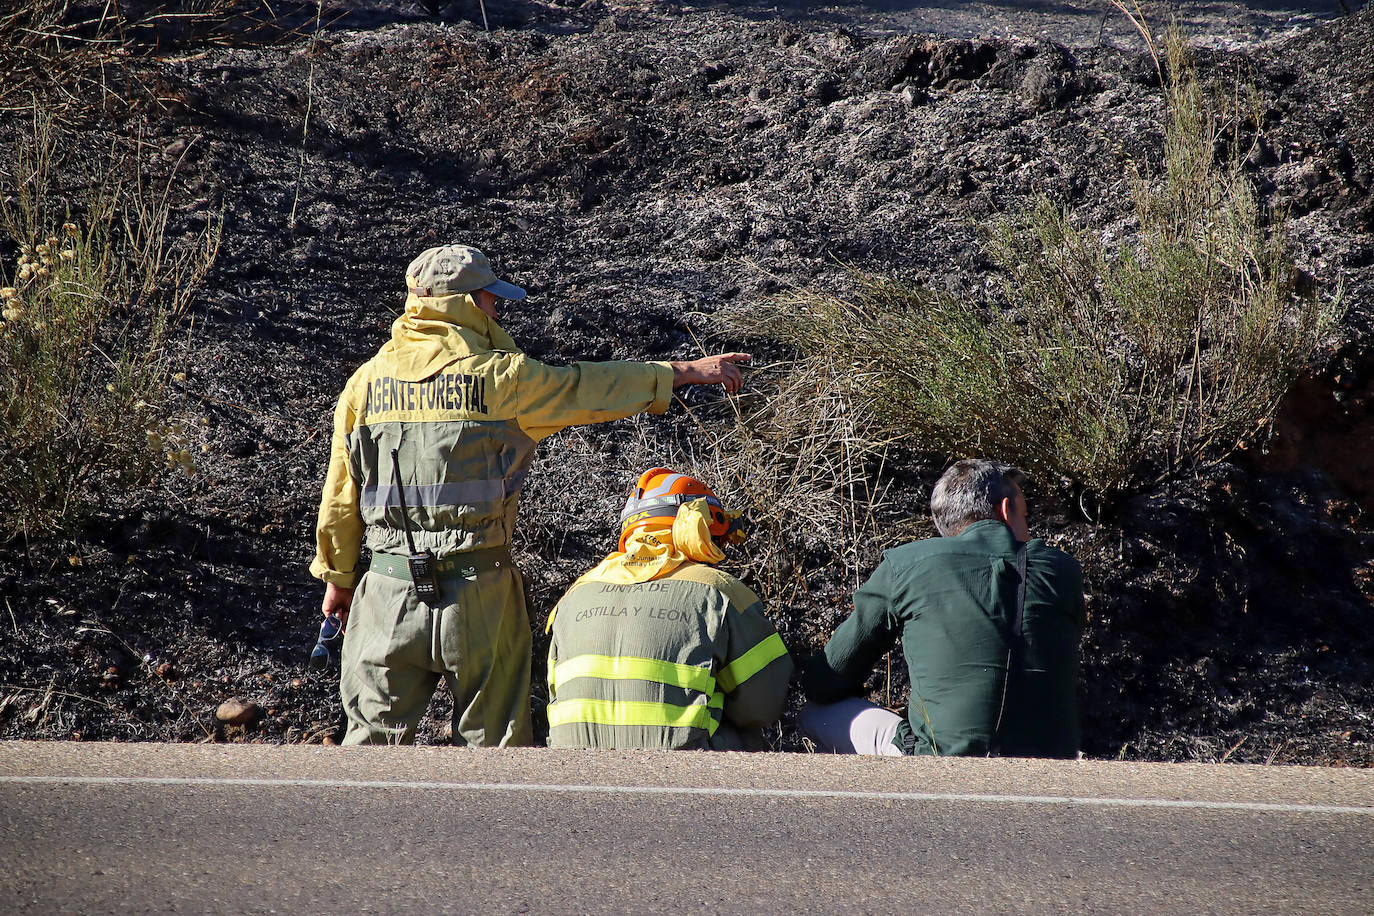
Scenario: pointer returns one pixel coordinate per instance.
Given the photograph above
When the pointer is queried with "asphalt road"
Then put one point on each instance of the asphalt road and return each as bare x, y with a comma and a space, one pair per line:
246, 829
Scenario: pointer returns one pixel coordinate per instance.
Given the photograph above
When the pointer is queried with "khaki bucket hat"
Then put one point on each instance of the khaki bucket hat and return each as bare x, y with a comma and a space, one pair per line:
451, 269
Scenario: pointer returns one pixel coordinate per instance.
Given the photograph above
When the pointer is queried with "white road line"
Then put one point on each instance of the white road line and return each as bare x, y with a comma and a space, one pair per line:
689, 790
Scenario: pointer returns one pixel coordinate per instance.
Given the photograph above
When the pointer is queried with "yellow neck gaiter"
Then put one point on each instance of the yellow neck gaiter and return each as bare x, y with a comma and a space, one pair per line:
657, 549
436, 330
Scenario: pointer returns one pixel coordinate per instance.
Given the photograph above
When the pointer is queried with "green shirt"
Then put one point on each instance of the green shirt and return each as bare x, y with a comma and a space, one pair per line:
952, 601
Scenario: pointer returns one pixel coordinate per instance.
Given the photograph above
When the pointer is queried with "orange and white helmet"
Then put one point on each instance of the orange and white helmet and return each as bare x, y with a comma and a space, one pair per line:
657, 495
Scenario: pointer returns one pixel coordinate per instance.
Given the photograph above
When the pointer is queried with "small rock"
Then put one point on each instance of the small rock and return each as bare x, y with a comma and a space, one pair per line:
823, 91
238, 712
912, 96
610, 25
716, 71
1045, 86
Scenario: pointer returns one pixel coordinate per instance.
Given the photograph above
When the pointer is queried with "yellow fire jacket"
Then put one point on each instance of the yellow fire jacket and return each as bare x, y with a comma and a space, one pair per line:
685, 660
465, 408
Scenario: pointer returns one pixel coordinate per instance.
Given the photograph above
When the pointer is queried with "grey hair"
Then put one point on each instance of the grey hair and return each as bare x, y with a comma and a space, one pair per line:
971, 491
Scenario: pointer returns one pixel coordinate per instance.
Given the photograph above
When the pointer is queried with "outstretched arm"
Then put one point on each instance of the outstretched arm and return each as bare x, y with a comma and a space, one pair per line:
553, 397
711, 370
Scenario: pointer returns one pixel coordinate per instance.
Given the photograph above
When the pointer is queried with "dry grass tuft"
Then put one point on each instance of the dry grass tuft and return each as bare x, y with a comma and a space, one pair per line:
89, 308
802, 468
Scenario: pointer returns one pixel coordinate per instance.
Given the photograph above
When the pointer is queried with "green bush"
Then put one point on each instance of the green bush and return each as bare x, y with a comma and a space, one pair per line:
1111, 369
84, 362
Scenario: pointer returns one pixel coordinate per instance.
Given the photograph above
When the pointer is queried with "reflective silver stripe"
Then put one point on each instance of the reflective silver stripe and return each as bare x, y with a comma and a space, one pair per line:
663, 487
458, 492
670, 503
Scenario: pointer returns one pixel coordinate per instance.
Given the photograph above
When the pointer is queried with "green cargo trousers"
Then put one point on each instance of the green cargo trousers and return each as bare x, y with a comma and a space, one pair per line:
396, 649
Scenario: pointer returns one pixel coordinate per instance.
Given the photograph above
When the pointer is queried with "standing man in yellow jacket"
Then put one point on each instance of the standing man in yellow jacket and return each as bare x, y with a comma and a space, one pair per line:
655, 647
432, 441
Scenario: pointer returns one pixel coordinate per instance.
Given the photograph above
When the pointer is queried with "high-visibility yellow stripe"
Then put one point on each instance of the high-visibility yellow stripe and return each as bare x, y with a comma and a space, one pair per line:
627, 667
631, 712
751, 662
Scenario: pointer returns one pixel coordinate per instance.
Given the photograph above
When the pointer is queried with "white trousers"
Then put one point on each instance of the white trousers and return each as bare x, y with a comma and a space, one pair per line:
852, 726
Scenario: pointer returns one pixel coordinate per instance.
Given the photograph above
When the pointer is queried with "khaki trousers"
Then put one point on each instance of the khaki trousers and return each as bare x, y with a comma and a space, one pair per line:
396, 649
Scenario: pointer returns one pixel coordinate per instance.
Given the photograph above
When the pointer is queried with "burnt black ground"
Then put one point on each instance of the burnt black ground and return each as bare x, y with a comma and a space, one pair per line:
638, 168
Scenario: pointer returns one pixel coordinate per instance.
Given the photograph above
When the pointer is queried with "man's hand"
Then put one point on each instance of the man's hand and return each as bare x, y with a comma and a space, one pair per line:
711, 370
337, 600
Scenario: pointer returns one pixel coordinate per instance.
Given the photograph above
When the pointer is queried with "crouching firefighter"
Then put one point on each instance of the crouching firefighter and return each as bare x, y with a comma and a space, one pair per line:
432, 440
656, 648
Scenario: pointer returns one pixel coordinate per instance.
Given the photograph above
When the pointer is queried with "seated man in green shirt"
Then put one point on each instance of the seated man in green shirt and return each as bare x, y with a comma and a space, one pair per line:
989, 620
655, 647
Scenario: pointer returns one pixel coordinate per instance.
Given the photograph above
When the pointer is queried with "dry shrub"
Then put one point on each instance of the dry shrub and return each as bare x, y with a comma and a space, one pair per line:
40, 54
1110, 369
84, 361
800, 466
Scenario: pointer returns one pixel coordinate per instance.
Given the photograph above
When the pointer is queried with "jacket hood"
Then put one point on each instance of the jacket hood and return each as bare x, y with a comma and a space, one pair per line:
437, 330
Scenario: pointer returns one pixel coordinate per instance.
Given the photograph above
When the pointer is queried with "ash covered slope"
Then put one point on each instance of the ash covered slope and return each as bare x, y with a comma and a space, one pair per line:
629, 174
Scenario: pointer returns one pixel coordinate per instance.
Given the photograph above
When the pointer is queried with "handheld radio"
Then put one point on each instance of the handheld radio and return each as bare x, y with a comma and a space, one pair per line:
421, 562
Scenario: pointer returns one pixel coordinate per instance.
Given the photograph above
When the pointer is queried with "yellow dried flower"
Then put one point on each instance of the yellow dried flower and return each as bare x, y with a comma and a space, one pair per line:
43, 272
52, 241
70, 229
8, 292
205, 448
12, 313
74, 560
40, 248
25, 271
68, 254
110, 387
204, 421
179, 376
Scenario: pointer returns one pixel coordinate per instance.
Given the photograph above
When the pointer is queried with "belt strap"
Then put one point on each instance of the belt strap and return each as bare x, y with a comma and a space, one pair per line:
466, 565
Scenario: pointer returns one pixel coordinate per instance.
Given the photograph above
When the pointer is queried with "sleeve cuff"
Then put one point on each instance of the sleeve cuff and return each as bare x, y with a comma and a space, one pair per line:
663, 387
333, 577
